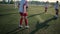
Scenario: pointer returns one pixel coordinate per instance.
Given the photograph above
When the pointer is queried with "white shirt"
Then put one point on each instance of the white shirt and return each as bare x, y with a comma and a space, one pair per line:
46, 5
56, 6
21, 9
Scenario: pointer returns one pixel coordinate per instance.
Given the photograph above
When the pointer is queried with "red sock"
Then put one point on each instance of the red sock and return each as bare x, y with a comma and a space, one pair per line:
26, 22
21, 21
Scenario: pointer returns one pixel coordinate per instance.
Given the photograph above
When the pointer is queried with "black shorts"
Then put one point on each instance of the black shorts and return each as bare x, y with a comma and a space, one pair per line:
57, 9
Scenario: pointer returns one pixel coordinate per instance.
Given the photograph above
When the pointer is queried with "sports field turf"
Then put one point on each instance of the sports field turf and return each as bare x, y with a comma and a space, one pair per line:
39, 22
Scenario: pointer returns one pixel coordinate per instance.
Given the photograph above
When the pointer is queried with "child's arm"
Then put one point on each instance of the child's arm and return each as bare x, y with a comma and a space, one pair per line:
25, 9
27, 5
18, 5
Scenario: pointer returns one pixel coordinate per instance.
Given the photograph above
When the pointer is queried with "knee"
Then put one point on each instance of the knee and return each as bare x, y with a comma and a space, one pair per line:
25, 17
22, 17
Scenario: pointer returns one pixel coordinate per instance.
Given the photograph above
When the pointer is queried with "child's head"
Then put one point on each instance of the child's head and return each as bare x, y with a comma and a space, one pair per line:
47, 2
57, 1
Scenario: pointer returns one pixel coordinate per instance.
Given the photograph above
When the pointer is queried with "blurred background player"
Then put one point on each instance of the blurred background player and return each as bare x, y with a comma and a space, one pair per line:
46, 6
23, 12
56, 8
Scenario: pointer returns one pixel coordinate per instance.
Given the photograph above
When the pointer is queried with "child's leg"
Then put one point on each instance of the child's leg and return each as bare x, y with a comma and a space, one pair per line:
26, 22
45, 9
25, 18
57, 12
21, 19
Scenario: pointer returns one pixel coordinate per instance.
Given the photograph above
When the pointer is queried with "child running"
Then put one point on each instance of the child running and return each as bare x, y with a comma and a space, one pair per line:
46, 6
56, 8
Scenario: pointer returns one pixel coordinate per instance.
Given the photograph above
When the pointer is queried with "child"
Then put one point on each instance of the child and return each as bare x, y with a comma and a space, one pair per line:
23, 13
46, 6
56, 8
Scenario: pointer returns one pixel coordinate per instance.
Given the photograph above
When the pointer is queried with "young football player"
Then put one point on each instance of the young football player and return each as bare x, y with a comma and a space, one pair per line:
46, 6
23, 13
56, 8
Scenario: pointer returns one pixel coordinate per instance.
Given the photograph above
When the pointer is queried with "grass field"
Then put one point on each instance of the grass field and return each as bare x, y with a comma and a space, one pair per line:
39, 22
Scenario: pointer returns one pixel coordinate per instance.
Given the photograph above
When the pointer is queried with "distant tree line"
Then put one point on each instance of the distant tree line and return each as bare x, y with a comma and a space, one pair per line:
4, 2
30, 2
37, 2
41, 3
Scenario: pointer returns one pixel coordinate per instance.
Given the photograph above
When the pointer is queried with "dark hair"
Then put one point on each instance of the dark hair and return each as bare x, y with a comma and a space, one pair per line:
47, 1
57, 1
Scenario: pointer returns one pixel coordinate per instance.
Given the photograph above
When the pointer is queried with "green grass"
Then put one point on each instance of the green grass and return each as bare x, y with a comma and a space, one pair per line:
39, 22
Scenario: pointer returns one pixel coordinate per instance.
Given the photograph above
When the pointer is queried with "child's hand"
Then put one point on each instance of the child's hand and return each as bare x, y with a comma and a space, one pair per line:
18, 5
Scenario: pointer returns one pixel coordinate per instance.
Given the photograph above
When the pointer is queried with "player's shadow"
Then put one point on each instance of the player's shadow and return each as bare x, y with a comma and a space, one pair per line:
42, 25
15, 31
36, 14
7, 14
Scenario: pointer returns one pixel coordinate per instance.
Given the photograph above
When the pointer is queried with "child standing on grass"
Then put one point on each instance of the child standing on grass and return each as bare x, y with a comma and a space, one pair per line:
56, 8
23, 13
46, 6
